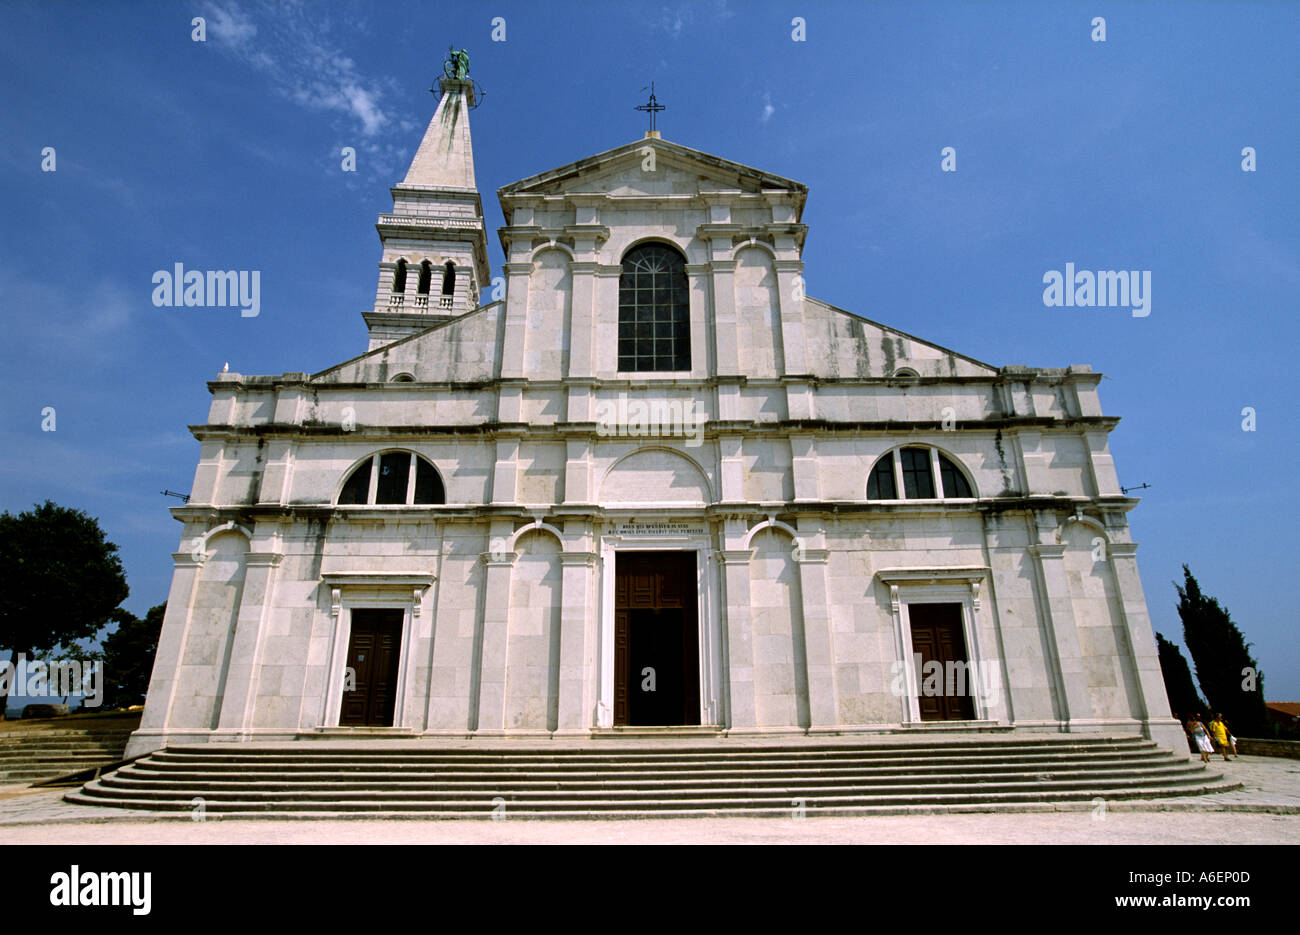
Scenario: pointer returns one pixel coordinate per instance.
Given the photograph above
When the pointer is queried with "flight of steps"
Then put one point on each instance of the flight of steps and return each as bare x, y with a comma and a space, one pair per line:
612, 779
33, 752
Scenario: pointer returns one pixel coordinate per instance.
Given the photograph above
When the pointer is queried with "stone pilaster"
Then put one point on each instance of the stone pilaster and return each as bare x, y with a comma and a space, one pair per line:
496, 640
581, 314
1058, 618
171, 641
726, 324
1151, 695
505, 471
239, 697
803, 460
789, 277
1104, 478
517, 273
740, 642
578, 638
819, 652
732, 484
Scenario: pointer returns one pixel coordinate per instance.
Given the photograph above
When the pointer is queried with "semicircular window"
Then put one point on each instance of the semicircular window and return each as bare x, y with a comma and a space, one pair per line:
393, 477
654, 323
921, 473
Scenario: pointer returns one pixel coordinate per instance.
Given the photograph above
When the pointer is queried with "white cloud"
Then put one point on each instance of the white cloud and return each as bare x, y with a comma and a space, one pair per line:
673, 20
768, 109
291, 50
230, 26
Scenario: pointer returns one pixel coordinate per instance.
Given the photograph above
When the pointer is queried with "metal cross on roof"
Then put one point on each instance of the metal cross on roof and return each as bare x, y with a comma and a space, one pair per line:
652, 106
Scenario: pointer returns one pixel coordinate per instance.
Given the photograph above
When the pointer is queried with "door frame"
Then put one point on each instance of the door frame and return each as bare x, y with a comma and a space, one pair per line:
348, 591
708, 636
687, 632
959, 586
398, 685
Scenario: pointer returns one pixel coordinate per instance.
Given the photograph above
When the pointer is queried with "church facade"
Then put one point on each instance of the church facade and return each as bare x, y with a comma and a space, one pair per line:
650, 486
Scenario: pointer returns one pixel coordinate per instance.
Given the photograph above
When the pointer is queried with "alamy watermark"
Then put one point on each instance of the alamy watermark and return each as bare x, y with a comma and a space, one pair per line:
656, 418
213, 288
951, 679
57, 678
1104, 288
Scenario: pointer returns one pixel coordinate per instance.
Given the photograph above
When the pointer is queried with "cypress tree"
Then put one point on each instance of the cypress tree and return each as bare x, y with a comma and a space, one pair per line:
1184, 699
1229, 676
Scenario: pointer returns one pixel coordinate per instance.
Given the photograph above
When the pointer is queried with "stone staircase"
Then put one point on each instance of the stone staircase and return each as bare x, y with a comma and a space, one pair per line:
35, 751
622, 779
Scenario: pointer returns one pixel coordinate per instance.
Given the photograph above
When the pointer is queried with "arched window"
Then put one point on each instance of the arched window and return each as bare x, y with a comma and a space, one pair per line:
399, 277
921, 473
400, 477
426, 274
905, 372
654, 327
449, 278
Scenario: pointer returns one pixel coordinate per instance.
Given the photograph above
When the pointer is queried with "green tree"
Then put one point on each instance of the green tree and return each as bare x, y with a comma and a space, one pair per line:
62, 580
1229, 676
1184, 699
128, 657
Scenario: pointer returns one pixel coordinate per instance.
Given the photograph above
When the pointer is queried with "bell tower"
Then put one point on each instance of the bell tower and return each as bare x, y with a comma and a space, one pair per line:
434, 260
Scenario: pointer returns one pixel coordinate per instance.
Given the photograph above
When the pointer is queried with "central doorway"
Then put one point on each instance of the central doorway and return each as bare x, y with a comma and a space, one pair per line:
656, 639
374, 651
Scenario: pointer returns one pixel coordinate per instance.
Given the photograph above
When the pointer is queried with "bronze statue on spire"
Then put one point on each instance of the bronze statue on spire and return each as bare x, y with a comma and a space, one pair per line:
457, 64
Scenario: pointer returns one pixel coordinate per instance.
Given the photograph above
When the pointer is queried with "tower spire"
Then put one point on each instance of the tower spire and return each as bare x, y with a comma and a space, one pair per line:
445, 157
434, 260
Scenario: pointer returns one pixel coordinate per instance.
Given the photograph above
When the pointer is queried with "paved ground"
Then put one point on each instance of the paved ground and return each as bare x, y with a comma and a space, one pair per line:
1265, 811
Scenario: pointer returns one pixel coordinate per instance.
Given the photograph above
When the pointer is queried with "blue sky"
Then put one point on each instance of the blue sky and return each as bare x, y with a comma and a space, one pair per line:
1123, 154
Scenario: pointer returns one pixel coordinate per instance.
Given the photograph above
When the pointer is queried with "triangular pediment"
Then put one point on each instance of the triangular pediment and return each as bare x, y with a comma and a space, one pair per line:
677, 170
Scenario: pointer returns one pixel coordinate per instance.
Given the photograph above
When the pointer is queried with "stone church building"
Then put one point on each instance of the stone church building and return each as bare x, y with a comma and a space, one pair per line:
650, 485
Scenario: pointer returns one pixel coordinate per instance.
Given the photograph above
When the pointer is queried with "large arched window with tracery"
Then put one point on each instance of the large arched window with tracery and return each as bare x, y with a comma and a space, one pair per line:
654, 323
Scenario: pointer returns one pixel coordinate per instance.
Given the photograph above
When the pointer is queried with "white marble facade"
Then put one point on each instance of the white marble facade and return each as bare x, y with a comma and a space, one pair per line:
755, 460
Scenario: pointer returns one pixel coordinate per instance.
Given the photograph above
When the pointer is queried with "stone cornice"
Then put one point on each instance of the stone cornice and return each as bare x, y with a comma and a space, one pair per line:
209, 514
711, 430
378, 579
933, 573
255, 382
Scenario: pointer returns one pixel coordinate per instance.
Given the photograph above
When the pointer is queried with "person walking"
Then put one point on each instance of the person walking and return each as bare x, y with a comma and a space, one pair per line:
1223, 739
1202, 737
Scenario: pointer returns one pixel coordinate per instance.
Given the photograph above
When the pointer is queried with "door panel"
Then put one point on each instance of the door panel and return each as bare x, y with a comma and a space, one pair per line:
374, 654
937, 636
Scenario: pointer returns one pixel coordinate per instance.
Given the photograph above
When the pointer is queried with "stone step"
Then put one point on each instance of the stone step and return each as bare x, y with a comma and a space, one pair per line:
717, 776
34, 775
20, 736
199, 786
61, 748
453, 762
557, 751
146, 770
774, 805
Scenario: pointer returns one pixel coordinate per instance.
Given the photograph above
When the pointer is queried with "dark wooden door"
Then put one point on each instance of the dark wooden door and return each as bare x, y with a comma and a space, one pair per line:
374, 650
937, 636
656, 639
